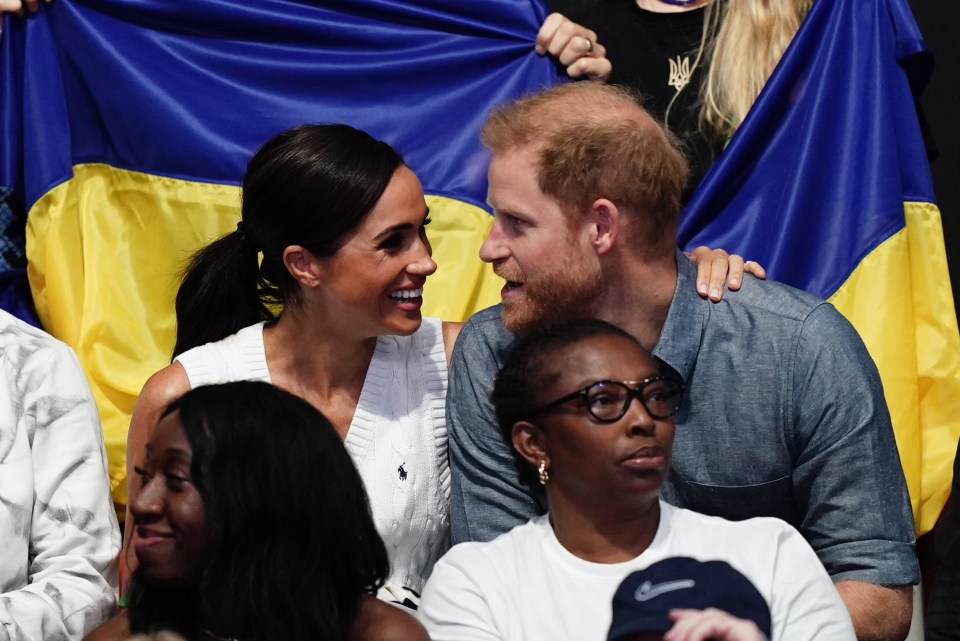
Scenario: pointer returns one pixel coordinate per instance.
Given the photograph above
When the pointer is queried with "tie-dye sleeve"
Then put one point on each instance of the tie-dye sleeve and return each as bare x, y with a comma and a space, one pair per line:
58, 562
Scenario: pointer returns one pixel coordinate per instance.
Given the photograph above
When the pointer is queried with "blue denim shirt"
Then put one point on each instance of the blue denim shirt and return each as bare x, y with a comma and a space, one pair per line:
784, 416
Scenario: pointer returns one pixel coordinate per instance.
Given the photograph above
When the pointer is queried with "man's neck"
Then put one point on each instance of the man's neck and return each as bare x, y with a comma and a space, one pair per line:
638, 294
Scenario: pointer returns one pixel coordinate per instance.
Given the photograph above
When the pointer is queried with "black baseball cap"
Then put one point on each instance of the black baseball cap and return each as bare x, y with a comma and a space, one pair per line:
645, 597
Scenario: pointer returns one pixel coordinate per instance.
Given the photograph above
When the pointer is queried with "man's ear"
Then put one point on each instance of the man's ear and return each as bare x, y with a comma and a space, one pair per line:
528, 440
305, 268
605, 225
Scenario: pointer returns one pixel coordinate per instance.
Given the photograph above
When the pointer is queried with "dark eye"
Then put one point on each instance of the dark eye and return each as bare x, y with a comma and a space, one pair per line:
602, 399
660, 391
392, 242
175, 482
144, 475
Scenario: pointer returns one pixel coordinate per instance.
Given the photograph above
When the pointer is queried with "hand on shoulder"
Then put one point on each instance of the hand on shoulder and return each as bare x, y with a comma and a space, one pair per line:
714, 266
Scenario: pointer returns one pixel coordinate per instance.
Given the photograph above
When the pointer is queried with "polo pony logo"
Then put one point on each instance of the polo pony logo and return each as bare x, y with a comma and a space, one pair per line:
649, 591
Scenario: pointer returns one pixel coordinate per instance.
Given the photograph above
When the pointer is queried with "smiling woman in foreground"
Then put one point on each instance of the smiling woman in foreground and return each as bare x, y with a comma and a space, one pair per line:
591, 418
226, 549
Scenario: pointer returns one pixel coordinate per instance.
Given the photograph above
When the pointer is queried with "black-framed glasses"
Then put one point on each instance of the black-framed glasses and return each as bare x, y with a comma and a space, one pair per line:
608, 401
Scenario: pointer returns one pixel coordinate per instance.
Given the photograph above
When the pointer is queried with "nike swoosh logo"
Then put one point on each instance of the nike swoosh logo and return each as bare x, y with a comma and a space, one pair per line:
649, 591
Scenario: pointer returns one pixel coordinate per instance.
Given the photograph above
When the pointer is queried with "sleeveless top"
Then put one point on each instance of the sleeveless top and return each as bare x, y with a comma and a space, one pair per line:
397, 439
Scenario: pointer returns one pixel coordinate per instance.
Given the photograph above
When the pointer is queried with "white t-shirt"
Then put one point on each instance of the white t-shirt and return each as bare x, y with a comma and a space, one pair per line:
524, 585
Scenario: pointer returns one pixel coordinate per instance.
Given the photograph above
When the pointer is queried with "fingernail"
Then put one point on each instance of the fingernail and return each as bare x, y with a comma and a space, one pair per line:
714, 293
702, 289
538, 49
734, 282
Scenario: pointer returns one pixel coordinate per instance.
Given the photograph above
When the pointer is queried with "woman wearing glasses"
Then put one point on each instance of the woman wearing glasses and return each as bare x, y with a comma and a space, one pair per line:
590, 416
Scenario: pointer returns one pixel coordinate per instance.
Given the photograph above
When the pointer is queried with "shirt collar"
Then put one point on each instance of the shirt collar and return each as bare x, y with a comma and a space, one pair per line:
682, 332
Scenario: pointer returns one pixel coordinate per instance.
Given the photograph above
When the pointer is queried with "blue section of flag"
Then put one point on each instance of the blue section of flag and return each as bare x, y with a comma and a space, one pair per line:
816, 176
189, 90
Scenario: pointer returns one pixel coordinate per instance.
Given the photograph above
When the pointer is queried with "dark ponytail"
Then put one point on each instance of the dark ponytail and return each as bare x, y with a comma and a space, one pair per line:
308, 186
219, 294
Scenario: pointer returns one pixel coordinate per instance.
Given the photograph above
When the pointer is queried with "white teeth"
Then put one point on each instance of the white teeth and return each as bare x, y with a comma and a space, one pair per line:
403, 294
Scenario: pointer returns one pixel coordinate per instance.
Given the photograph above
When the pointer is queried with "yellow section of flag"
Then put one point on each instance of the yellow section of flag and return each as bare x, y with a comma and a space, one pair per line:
900, 301
106, 250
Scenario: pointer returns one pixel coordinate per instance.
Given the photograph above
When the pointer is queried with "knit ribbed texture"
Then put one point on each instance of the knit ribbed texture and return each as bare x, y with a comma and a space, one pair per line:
397, 439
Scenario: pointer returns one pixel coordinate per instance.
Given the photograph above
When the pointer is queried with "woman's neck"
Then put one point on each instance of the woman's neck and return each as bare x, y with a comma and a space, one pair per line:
308, 358
604, 535
665, 6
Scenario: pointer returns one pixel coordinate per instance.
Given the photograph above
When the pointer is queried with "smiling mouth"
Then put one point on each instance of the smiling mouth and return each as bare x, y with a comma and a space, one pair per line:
512, 288
146, 539
406, 294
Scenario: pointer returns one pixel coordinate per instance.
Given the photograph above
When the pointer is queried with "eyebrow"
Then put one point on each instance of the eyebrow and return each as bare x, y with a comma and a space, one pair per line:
400, 227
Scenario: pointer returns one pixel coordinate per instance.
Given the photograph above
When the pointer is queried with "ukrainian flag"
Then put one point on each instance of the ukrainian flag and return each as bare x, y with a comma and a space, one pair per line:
827, 184
125, 127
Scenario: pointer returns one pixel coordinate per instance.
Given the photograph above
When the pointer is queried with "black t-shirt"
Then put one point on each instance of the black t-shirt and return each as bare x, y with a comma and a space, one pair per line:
655, 53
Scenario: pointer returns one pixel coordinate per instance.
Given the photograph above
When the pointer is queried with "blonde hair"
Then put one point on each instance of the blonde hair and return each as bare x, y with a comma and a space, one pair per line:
745, 40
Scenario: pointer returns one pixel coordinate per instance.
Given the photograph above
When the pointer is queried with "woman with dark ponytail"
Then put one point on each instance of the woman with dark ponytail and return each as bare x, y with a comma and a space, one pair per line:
318, 291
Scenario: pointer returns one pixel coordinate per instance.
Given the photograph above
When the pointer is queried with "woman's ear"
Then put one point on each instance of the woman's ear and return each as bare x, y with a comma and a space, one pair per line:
305, 268
528, 440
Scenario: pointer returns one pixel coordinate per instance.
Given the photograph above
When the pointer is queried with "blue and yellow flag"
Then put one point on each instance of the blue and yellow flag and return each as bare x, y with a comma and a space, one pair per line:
126, 126
827, 184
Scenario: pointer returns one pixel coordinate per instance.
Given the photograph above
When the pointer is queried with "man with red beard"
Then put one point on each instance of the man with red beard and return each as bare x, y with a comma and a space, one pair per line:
784, 414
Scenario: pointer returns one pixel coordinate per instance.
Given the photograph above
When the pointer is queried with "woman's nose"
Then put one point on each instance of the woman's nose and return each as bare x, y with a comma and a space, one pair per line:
639, 419
147, 500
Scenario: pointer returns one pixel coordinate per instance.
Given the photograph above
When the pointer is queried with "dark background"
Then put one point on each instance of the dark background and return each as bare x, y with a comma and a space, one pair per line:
939, 21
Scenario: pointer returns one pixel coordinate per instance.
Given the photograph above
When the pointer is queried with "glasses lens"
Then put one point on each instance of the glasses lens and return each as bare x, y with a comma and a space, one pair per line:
661, 398
606, 401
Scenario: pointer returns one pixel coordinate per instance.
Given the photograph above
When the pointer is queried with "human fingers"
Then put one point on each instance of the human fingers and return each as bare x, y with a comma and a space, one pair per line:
593, 67
712, 268
711, 624
755, 268
547, 31
735, 274
11, 6
564, 39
